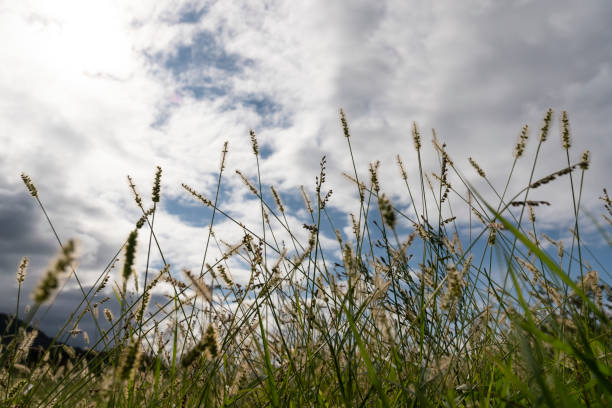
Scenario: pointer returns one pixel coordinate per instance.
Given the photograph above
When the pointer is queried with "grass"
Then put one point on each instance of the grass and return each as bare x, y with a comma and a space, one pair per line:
416, 308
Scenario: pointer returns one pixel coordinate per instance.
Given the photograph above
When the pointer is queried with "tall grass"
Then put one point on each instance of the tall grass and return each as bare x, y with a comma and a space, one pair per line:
415, 308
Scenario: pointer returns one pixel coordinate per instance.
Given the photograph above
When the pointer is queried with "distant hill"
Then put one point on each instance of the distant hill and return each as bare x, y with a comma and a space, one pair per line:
9, 327
42, 342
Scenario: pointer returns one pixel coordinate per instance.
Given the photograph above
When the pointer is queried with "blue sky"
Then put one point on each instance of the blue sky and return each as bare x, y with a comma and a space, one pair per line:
93, 92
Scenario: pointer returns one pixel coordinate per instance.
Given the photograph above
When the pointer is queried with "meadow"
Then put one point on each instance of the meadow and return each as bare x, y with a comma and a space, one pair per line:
416, 308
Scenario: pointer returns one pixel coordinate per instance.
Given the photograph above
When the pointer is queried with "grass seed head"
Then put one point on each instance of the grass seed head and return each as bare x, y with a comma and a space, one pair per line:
130, 363
130, 255
29, 185
200, 287
144, 217
416, 137
345, 127
197, 195
248, 183
277, 199
223, 155
566, 141
156, 185
307, 201
519, 149
254, 144
478, 169
108, 314
25, 345
21, 270
586, 160
546, 126
211, 343
50, 282
224, 275
403, 171
374, 176
532, 216
387, 211
137, 197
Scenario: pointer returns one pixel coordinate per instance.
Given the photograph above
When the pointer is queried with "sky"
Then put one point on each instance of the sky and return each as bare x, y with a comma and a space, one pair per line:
91, 91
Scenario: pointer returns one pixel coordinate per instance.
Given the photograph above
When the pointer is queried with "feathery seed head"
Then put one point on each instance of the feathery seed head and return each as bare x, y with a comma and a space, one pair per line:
374, 175
319, 180
142, 306
454, 288
197, 195
356, 226
297, 261
21, 271
400, 163
254, 144
199, 286
208, 346
248, 183
142, 219
47, 286
307, 201
69, 350
130, 255
25, 345
416, 136
277, 199
345, 128
225, 275
584, 164
546, 126
560, 250
108, 315
441, 148
387, 211
553, 176
566, 141
479, 170
479, 216
137, 197
532, 216
589, 282
75, 332
223, 155
30, 186
156, 185
519, 149
130, 363
211, 343
492, 236
326, 198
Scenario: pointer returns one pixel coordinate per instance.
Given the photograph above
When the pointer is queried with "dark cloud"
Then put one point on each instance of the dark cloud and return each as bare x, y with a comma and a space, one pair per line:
24, 232
20, 232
